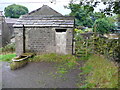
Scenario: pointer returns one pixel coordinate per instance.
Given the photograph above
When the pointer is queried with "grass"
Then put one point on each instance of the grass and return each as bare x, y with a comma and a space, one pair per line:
14, 65
65, 62
52, 57
7, 57
101, 73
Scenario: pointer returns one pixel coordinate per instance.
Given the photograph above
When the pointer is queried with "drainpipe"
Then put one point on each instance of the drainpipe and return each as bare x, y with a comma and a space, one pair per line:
23, 38
73, 40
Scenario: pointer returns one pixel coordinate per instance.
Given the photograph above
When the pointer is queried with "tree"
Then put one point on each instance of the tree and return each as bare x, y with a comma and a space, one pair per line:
113, 6
103, 25
86, 19
82, 14
15, 11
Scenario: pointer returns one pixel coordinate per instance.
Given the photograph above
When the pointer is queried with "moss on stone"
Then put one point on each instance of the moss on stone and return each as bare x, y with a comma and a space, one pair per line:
19, 64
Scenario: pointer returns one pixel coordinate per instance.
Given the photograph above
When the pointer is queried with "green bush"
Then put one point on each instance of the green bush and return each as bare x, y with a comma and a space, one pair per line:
103, 26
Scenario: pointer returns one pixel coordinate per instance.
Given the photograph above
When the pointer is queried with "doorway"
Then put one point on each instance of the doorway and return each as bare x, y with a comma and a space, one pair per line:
61, 41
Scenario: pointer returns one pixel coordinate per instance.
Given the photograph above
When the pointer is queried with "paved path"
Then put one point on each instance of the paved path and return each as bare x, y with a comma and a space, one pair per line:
38, 75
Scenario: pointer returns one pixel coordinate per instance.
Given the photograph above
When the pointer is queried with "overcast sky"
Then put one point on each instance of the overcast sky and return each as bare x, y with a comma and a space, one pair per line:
35, 4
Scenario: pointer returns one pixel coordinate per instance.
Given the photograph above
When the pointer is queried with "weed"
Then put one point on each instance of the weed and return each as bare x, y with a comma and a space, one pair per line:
62, 70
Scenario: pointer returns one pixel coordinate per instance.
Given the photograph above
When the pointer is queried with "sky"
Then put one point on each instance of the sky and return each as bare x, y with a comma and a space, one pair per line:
35, 4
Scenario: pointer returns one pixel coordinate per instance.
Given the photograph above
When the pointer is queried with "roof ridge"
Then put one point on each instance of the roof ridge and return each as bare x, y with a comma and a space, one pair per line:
34, 11
42, 7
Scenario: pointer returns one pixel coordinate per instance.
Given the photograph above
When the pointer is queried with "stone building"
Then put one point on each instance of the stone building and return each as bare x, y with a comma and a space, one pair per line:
10, 22
4, 31
44, 31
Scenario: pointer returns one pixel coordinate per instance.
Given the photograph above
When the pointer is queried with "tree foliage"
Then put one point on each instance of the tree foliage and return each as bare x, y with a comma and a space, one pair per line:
103, 25
14, 11
112, 6
84, 15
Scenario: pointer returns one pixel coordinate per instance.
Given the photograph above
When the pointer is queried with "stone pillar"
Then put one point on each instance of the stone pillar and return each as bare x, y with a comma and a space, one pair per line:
19, 41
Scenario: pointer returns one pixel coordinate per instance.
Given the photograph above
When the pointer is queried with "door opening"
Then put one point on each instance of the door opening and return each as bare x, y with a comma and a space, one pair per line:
61, 41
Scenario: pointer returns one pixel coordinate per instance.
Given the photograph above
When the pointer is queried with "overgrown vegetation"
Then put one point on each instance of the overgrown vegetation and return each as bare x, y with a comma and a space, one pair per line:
10, 48
100, 72
110, 48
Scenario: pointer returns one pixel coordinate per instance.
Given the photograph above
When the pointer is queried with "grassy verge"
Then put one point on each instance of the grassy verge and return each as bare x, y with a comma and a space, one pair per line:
7, 57
65, 62
100, 72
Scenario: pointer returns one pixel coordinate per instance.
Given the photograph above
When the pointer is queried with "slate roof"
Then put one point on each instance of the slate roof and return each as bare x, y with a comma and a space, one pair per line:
45, 10
45, 21
44, 17
11, 20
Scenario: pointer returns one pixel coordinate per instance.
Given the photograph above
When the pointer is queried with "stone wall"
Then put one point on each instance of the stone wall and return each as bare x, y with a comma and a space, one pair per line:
5, 33
0, 41
41, 40
69, 47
